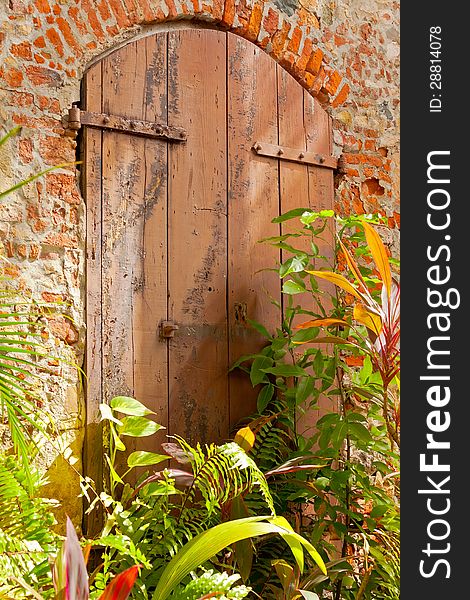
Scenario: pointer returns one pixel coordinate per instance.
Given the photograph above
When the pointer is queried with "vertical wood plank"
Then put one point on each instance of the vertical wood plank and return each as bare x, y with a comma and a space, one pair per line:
123, 217
197, 224
150, 292
91, 185
252, 202
321, 190
293, 177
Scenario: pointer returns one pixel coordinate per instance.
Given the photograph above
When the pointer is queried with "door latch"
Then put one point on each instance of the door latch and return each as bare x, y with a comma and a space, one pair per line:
168, 329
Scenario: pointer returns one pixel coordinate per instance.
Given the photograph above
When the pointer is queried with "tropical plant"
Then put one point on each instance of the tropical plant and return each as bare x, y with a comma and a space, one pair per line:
27, 539
336, 482
170, 520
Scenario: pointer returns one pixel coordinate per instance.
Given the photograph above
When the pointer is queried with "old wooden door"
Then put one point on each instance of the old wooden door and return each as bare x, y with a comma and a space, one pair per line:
172, 227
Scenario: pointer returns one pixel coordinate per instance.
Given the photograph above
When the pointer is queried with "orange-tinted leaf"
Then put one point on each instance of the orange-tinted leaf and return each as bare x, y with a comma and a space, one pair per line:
352, 263
121, 586
379, 254
338, 280
365, 316
245, 438
322, 323
86, 553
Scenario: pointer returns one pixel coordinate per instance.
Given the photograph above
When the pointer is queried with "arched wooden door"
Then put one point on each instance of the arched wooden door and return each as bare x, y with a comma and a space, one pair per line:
173, 226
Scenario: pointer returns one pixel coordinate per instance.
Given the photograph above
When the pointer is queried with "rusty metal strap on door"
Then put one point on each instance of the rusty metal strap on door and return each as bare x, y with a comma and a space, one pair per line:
295, 155
78, 118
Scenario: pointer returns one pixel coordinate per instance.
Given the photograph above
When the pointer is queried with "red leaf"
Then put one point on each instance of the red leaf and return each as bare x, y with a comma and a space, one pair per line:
121, 586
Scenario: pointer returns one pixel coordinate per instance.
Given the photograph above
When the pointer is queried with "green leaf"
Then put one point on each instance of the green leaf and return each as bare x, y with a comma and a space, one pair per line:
130, 406
260, 329
292, 287
107, 414
360, 432
141, 458
114, 476
257, 373
291, 214
208, 543
138, 427
305, 335
304, 389
295, 264
286, 371
264, 397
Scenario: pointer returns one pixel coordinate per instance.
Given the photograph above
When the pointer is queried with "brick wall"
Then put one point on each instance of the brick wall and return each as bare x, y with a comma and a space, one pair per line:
345, 52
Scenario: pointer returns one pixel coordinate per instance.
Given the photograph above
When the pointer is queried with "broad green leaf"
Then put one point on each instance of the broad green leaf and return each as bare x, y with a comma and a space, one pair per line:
309, 595
291, 214
138, 427
286, 371
305, 335
305, 387
107, 414
295, 264
359, 431
130, 406
257, 373
379, 254
264, 397
208, 543
338, 280
292, 287
141, 458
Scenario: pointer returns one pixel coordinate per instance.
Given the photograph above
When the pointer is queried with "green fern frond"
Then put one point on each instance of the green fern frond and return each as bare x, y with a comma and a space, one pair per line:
222, 473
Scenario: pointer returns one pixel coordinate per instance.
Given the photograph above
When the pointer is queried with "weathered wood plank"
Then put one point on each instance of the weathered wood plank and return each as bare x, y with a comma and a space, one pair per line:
91, 186
321, 189
124, 75
197, 236
150, 291
253, 201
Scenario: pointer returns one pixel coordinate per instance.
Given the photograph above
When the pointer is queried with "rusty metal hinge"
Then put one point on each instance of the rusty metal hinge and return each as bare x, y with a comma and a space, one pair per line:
77, 118
293, 155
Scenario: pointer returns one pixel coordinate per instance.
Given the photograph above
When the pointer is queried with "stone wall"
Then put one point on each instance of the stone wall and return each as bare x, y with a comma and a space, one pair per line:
345, 52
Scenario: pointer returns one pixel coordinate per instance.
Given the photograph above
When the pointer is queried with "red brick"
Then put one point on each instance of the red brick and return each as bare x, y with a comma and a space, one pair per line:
56, 9
103, 10
319, 81
22, 50
51, 297
40, 42
25, 150
340, 40
13, 77
39, 59
43, 76
61, 240
60, 184
42, 6
20, 99
301, 64
62, 328
172, 8
294, 43
93, 19
271, 21
280, 39
341, 96
56, 41
56, 150
332, 83
254, 23
68, 36
314, 62
34, 251
74, 13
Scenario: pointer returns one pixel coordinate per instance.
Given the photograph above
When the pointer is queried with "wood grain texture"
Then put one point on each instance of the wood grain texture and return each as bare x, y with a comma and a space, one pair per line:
91, 187
151, 287
252, 202
197, 224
